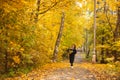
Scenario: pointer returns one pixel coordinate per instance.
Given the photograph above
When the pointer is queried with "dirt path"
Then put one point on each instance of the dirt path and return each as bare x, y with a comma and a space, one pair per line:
78, 57
69, 73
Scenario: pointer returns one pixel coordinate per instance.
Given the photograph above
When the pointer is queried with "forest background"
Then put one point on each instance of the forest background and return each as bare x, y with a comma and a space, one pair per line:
29, 31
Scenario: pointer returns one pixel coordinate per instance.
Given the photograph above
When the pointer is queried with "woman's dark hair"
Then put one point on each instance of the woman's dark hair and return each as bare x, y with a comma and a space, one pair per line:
74, 46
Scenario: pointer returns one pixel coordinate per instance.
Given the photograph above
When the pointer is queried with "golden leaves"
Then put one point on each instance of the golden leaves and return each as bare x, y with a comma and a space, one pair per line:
102, 70
46, 29
112, 4
21, 49
16, 59
9, 5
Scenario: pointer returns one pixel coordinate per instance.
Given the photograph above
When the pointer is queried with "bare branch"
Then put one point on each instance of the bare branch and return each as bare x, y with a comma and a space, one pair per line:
108, 19
49, 8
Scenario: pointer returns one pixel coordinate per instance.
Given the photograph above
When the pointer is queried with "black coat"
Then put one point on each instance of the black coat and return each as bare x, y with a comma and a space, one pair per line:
72, 55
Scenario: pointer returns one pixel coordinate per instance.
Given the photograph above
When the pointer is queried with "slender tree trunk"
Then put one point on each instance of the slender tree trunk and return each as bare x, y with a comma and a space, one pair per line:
6, 53
58, 38
86, 39
6, 62
102, 51
37, 11
86, 44
88, 52
94, 45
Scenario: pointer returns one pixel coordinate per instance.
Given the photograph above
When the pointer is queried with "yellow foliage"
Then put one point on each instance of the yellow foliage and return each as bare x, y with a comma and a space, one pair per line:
22, 49
16, 59
76, 19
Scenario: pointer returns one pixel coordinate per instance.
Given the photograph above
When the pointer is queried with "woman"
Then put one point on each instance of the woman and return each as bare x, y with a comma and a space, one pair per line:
72, 55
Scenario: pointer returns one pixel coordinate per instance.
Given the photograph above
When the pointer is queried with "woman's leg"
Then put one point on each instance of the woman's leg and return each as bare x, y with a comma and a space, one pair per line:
71, 64
71, 59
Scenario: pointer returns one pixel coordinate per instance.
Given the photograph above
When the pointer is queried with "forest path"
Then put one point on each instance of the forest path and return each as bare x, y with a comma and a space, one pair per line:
68, 73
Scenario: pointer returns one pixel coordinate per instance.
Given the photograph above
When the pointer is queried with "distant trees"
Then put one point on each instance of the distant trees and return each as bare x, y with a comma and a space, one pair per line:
107, 31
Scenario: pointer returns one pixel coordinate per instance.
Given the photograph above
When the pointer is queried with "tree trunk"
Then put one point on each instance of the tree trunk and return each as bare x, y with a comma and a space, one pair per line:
94, 45
58, 38
102, 50
88, 53
6, 62
117, 29
86, 42
87, 48
37, 10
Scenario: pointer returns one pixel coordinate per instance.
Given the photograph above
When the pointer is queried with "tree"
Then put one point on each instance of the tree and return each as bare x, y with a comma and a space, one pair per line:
94, 48
58, 37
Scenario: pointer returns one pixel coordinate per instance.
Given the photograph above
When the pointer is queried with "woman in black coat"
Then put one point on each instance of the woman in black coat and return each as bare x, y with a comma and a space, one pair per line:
72, 55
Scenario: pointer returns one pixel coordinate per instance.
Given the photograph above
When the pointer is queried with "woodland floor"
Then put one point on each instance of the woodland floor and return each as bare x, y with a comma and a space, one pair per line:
63, 71
68, 73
